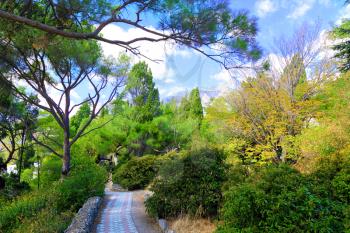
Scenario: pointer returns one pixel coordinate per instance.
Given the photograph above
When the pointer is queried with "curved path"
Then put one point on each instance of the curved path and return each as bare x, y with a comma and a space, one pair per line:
124, 212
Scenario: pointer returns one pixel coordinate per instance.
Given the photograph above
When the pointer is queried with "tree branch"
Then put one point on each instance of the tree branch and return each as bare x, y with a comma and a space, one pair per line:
46, 146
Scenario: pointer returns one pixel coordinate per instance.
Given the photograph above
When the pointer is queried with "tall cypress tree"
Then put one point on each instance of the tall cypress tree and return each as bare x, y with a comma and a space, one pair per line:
196, 108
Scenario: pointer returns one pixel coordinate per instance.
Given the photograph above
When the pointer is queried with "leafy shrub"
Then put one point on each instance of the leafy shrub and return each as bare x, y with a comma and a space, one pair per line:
280, 199
87, 179
189, 183
50, 171
47, 220
13, 187
137, 173
50, 209
24, 207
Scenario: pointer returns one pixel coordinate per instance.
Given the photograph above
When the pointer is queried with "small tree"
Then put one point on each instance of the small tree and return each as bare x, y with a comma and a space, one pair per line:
196, 110
145, 103
61, 67
15, 123
144, 95
191, 106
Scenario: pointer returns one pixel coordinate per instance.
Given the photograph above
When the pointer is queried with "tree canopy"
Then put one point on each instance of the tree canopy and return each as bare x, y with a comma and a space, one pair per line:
209, 27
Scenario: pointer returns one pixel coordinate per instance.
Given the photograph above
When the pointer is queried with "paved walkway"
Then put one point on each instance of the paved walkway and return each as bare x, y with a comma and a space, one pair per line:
124, 212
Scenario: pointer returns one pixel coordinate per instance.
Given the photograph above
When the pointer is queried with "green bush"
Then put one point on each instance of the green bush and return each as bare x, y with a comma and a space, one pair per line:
189, 183
137, 173
50, 171
24, 207
87, 179
13, 187
280, 199
47, 220
51, 209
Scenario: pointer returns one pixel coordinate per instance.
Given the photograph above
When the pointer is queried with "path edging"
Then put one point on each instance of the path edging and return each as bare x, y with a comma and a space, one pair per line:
84, 219
164, 226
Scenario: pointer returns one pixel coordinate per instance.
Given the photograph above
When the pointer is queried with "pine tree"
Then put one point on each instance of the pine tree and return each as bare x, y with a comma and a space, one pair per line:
144, 95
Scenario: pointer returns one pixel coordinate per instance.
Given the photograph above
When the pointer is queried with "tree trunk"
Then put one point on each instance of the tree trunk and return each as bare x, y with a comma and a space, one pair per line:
3, 168
2, 183
66, 155
20, 162
66, 142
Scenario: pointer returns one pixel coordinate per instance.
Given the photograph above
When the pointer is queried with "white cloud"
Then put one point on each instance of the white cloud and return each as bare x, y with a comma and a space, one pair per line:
264, 7
277, 62
222, 76
301, 9
325, 2
75, 95
153, 50
206, 99
172, 91
169, 80
225, 82
344, 13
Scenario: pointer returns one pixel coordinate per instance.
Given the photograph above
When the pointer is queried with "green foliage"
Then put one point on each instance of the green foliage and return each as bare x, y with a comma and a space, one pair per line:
13, 187
26, 206
181, 17
49, 172
52, 207
144, 95
280, 199
137, 173
105, 140
191, 106
87, 179
267, 114
343, 48
83, 113
48, 220
126, 137
5, 93
17, 120
214, 17
188, 183
196, 108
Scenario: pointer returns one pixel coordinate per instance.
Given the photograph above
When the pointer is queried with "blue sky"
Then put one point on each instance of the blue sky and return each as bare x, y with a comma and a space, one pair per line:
184, 69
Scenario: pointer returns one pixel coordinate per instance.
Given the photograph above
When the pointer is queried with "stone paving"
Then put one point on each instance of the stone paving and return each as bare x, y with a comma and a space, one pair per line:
116, 216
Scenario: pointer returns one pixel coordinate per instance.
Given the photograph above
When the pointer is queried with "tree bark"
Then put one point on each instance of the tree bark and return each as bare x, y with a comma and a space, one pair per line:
3, 167
66, 154
20, 162
66, 142
2, 183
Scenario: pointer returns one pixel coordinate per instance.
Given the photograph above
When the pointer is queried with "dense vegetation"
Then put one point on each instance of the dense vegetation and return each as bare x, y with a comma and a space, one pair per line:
195, 176
51, 208
272, 155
